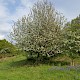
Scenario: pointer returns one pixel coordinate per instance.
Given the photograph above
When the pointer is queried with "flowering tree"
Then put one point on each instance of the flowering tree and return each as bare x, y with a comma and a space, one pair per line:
41, 31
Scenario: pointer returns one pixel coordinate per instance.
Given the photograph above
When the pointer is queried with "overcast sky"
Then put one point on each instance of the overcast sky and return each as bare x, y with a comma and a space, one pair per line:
11, 10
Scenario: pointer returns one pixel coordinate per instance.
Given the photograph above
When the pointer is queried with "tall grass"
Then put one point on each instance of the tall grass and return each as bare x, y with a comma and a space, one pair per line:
17, 68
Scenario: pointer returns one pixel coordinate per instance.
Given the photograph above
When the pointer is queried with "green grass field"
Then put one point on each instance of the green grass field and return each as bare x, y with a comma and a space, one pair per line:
16, 68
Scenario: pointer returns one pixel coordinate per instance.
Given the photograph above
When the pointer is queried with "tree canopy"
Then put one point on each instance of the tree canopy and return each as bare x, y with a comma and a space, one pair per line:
72, 38
41, 30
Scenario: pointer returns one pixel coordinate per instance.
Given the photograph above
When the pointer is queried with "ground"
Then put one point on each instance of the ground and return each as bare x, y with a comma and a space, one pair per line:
16, 68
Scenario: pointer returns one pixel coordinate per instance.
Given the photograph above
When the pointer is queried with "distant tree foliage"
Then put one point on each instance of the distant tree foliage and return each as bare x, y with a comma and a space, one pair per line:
72, 38
6, 48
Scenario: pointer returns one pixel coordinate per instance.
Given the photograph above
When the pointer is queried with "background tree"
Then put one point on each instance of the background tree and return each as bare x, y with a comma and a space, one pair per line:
41, 32
72, 39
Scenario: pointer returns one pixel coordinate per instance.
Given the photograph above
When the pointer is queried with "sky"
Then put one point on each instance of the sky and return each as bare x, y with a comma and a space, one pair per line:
12, 10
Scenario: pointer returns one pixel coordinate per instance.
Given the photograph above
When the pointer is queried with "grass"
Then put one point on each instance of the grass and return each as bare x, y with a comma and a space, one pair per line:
17, 68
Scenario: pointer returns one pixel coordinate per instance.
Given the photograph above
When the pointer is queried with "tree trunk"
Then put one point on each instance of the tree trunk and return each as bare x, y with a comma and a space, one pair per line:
72, 62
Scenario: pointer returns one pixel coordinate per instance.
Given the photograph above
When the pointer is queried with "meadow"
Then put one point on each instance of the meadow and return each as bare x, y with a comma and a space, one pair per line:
51, 43
17, 68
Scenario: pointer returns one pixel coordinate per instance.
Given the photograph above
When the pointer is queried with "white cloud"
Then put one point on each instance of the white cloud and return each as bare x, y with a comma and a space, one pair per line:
4, 26
2, 37
6, 17
3, 11
27, 3
20, 11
